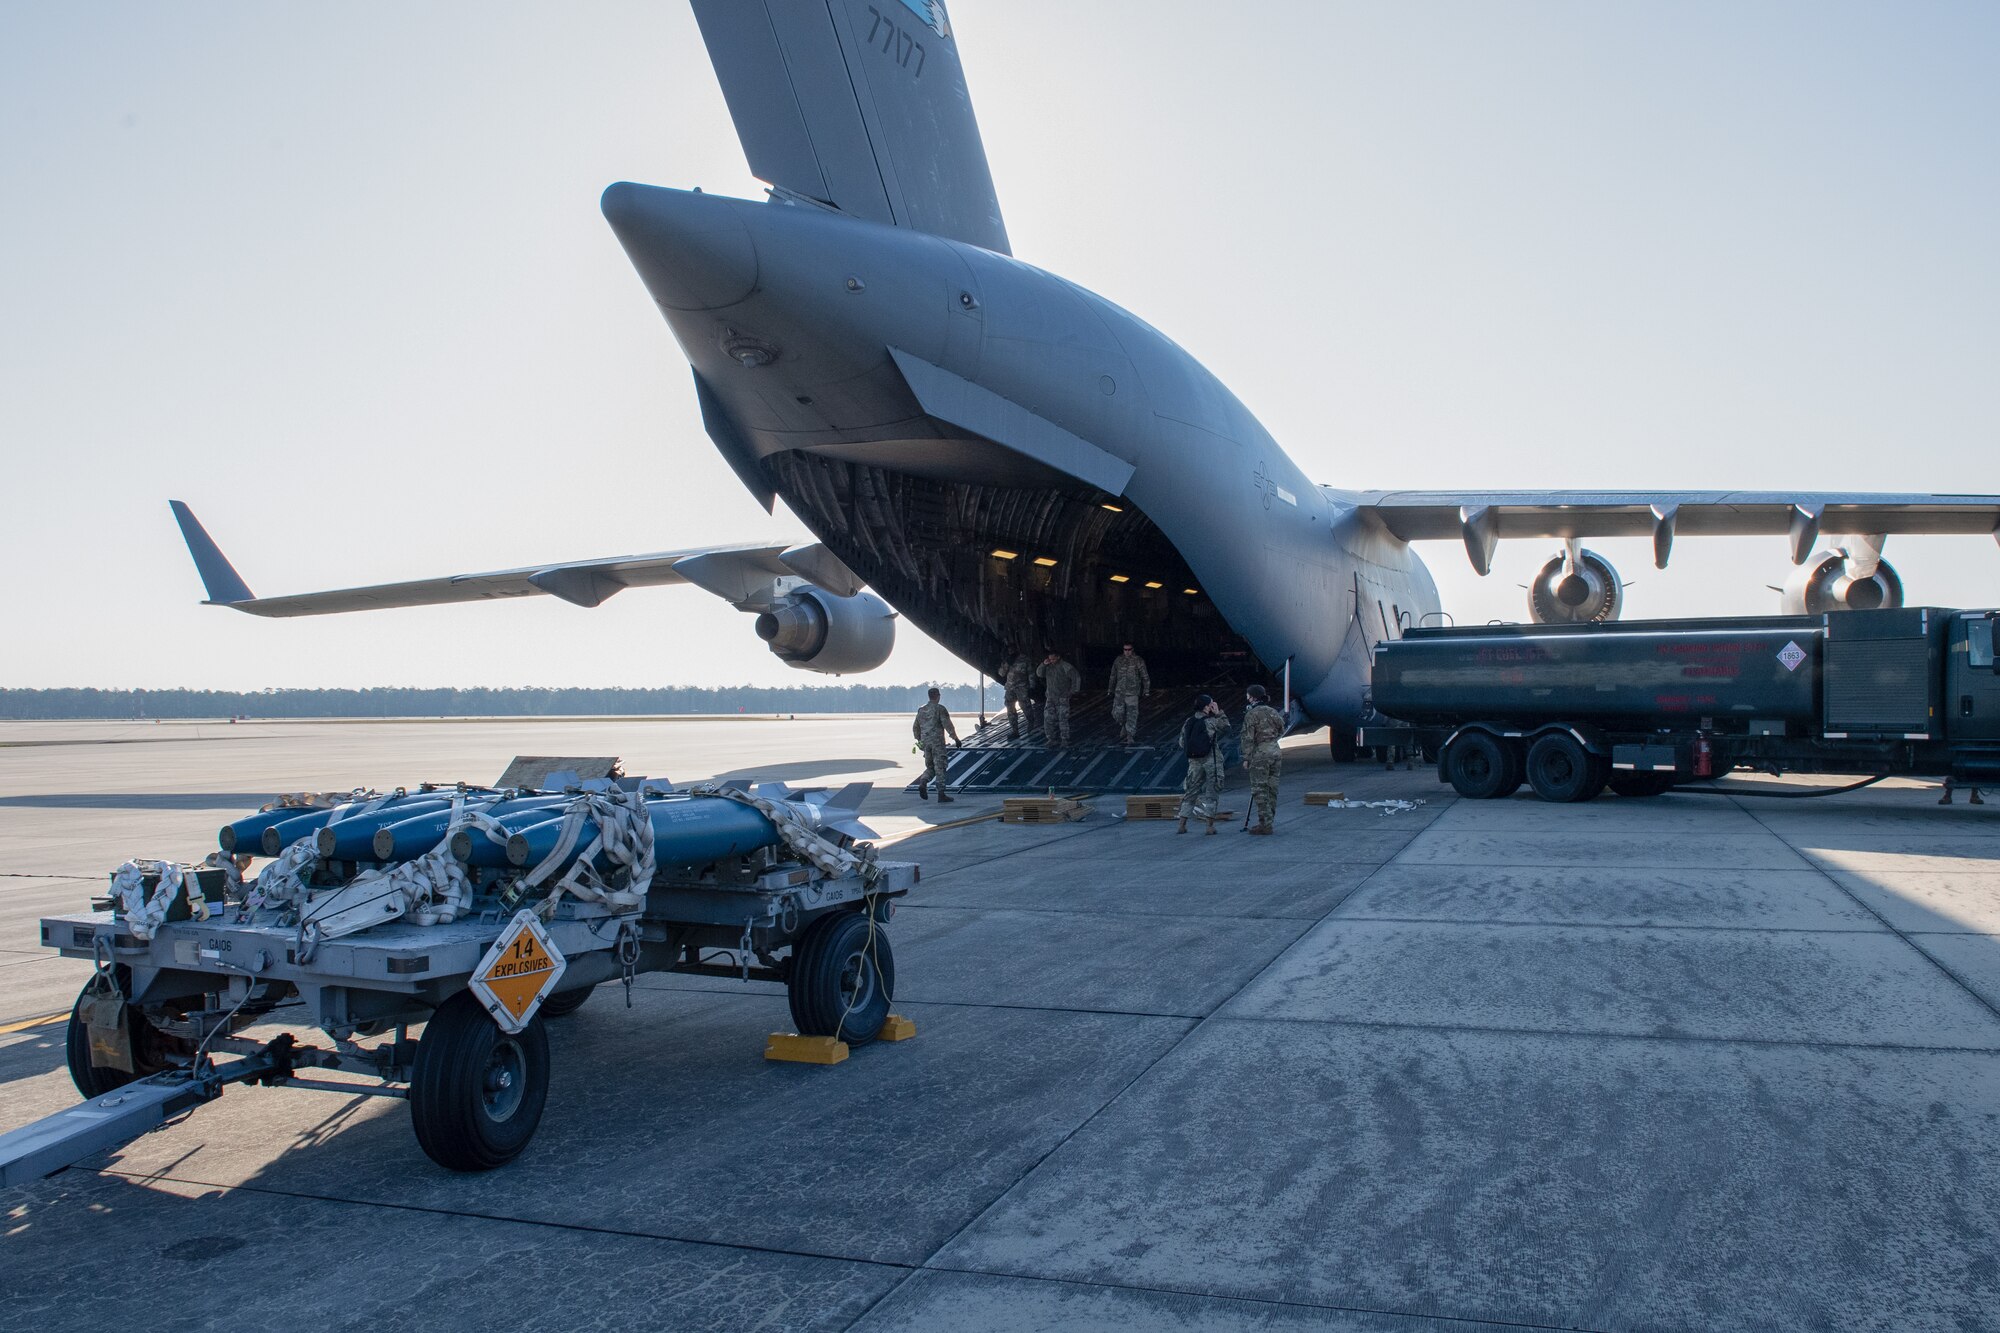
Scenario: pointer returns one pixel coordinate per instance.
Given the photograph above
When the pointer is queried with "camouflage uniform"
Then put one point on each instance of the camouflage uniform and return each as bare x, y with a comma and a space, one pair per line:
932, 722
1129, 682
1062, 681
1262, 726
1201, 792
1015, 676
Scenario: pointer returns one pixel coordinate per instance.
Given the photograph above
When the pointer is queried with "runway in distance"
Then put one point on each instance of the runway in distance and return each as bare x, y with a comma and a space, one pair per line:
1010, 460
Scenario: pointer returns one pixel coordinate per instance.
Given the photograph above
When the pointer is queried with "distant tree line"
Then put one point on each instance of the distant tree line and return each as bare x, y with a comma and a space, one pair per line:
398, 702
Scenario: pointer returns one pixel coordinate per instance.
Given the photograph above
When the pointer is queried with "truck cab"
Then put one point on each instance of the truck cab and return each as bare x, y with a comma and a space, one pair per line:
1972, 685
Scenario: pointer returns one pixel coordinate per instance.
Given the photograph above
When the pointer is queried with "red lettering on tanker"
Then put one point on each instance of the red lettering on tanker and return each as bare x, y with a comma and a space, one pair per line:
1716, 661
1683, 703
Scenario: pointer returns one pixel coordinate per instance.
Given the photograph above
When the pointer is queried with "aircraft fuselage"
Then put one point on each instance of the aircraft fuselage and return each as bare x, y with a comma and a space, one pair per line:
1157, 510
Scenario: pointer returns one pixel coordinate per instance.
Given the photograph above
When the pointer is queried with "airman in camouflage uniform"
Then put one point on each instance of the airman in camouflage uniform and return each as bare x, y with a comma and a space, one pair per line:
1016, 674
932, 723
1201, 792
1130, 683
1062, 680
1262, 726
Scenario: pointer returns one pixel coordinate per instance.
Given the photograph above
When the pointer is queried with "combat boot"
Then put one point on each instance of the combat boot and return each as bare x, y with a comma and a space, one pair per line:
1211, 828
1183, 825
1262, 828
945, 798
923, 791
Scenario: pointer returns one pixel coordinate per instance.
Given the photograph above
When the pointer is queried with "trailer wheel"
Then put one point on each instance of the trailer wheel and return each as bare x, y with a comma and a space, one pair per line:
843, 978
565, 1003
1641, 784
1481, 767
149, 1046
477, 1093
1561, 770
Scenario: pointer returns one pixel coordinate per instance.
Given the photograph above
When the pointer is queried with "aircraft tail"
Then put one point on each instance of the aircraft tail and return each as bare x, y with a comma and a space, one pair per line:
859, 104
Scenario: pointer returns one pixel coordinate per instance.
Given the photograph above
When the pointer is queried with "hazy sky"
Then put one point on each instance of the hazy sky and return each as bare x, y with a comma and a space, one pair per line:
335, 274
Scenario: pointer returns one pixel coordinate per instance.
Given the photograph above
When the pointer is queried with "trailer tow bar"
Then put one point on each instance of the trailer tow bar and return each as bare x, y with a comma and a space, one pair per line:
116, 1118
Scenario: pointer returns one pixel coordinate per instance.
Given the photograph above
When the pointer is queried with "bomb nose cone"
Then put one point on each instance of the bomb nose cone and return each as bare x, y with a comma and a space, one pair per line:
692, 250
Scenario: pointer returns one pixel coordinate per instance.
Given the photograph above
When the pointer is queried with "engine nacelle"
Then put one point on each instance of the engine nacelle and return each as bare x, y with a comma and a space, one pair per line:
1837, 580
1575, 590
815, 630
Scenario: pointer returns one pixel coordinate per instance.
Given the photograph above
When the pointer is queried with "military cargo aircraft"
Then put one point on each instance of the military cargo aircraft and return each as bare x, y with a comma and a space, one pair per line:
1008, 459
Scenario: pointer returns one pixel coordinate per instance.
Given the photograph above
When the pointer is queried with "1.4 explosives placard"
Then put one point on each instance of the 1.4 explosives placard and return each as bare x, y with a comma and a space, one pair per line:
520, 969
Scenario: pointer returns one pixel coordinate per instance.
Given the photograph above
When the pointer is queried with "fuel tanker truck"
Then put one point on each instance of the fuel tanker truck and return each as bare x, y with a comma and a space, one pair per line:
1641, 706
431, 932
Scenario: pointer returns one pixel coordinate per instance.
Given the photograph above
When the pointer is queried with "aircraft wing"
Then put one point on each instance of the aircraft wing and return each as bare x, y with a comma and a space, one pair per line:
1482, 518
740, 575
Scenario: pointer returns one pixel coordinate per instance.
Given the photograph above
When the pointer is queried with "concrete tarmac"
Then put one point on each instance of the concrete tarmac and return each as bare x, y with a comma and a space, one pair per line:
1690, 1062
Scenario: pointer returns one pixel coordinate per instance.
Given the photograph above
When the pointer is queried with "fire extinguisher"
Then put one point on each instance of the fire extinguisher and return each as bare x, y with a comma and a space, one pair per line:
1704, 757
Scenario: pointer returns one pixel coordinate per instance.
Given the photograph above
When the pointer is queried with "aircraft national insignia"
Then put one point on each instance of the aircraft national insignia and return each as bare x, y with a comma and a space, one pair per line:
932, 13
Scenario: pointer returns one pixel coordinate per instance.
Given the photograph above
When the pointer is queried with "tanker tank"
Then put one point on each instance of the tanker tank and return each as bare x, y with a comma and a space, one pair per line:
1669, 670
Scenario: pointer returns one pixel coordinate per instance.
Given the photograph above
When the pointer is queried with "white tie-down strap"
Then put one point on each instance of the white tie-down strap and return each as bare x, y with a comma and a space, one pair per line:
433, 887
146, 913
802, 838
283, 883
624, 838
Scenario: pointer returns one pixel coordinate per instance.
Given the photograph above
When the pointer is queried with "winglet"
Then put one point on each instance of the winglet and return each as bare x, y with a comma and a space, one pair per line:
223, 584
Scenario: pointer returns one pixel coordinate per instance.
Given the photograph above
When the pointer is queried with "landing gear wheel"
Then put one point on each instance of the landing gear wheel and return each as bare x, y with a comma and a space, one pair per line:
150, 1047
1640, 784
1481, 767
476, 1094
843, 978
565, 1003
1561, 770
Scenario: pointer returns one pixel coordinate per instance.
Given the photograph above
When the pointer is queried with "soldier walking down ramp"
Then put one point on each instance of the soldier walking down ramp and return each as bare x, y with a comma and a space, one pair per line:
1016, 676
932, 723
1061, 680
1201, 737
1130, 682
1262, 726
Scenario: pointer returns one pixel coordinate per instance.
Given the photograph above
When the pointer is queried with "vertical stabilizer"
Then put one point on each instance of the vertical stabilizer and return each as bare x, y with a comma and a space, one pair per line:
859, 104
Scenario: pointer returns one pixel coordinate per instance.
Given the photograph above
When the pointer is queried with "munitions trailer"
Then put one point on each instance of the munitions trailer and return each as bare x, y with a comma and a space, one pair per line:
509, 920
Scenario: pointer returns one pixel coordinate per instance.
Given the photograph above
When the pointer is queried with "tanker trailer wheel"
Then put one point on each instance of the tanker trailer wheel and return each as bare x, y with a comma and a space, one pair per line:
476, 1094
565, 1003
1641, 784
1481, 767
1561, 770
151, 1048
843, 978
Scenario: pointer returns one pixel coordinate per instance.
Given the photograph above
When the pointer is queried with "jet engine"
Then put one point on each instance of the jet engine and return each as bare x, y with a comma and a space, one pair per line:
1846, 578
1575, 587
815, 630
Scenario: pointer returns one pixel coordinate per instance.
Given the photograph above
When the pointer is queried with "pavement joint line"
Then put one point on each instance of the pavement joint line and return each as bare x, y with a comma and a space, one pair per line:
944, 1004
984, 908
1627, 925
1254, 1300
1110, 1101
146, 1177
1922, 952
1590, 1034
1016, 851
909, 1269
